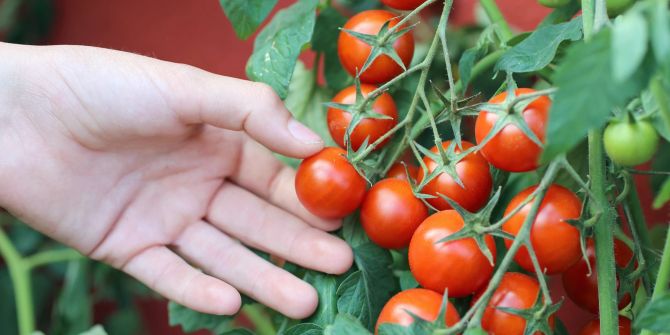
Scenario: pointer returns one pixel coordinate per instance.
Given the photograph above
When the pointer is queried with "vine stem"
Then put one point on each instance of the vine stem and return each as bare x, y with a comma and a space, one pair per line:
503, 30
20, 275
636, 221
661, 285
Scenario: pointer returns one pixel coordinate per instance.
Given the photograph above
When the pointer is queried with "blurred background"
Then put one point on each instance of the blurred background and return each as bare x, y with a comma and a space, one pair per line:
69, 297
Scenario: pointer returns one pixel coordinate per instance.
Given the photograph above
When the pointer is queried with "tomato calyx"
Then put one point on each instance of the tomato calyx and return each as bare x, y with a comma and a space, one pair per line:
538, 317
446, 163
452, 113
381, 43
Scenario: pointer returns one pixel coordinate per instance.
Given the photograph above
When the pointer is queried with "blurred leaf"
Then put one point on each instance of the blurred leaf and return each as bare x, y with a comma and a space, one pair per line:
587, 93
654, 316
325, 286
73, 312
190, 320
346, 325
576, 159
304, 329
278, 45
95, 330
124, 321
660, 32
26, 240
468, 60
629, 44
7, 305
538, 50
246, 15
324, 40
407, 280
663, 195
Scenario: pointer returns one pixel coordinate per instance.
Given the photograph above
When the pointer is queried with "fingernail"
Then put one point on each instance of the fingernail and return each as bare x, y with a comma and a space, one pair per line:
301, 133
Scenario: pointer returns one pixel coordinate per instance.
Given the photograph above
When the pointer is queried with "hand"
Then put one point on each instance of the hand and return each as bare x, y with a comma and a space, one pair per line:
160, 169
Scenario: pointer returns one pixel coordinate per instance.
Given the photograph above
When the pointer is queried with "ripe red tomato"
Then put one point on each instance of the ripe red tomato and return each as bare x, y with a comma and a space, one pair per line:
473, 170
397, 170
593, 327
328, 186
373, 129
582, 288
510, 149
556, 242
458, 266
420, 302
517, 291
353, 52
403, 4
390, 213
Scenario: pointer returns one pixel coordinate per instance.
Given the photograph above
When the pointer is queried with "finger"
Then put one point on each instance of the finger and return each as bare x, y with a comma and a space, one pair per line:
203, 97
263, 174
168, 274
256, 223
225, 258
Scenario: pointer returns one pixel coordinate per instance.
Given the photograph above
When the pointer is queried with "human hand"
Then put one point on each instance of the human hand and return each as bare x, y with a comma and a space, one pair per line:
158, 168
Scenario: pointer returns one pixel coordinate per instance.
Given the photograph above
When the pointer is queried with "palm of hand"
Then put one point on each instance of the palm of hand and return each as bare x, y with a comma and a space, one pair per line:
131, 175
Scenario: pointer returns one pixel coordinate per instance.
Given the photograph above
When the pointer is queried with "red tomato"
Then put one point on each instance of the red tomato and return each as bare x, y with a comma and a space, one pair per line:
328, 186
353, 52
458, 266
473, 170
593, 327
582, 288
510, 149
390, 213
556, 242
403, 4
420, 302
373, 129
517, 291
398, 171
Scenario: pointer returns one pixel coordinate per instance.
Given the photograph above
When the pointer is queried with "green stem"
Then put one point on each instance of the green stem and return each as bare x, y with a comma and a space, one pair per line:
588, 10
259, 319
604, 238
492, 10
656, 88
638, 226
20, 275
661, 286
51, 256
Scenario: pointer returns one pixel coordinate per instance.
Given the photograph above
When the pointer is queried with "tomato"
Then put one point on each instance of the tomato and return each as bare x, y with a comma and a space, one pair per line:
420, 302
373, 129
553, 3
593, 327
397, 170
353, 52
582, 288
517, 291
458, 266
328, 185
403, 4
630, 143
556, 242
616, 7
510, 149
474, 173
390, 213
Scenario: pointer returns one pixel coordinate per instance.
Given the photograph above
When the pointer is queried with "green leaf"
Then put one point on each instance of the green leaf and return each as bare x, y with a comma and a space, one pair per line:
629, 44
304, 329
324, 40
663, 195
539, 49
364, 292
346, 325
407, 280
475, 331
654, 316
73, 313
95, 330
660, 32
190, 320
246, 15
326, 287
587, 94
279, 44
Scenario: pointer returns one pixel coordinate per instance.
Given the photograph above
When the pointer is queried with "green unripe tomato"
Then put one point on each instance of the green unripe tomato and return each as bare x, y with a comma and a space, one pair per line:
630, 143
553, 3
616, 7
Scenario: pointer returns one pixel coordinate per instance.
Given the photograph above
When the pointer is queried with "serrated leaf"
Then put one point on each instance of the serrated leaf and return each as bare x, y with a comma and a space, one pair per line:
246, 15
190, 320
539, 49
654, 316
324, 40
346, 325
277, 47
629, 44
587, 93
660, 32
326, 287
304, 329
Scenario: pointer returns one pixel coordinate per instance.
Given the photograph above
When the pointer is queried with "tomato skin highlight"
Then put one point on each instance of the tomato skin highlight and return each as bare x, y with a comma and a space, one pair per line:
510, 149
630, 143
458, 266
474, 172
339, 120
403, 4
593, 327
328, 186
397, 170
518, 291
421, 302
556, 242
353, 52
390, 213
582, 289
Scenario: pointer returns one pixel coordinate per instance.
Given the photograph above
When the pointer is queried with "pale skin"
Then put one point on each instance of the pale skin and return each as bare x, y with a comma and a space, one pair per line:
164, 171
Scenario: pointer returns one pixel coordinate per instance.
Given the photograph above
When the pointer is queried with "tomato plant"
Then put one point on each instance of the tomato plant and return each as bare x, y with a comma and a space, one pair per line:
390, 213
630, 143
417, 302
